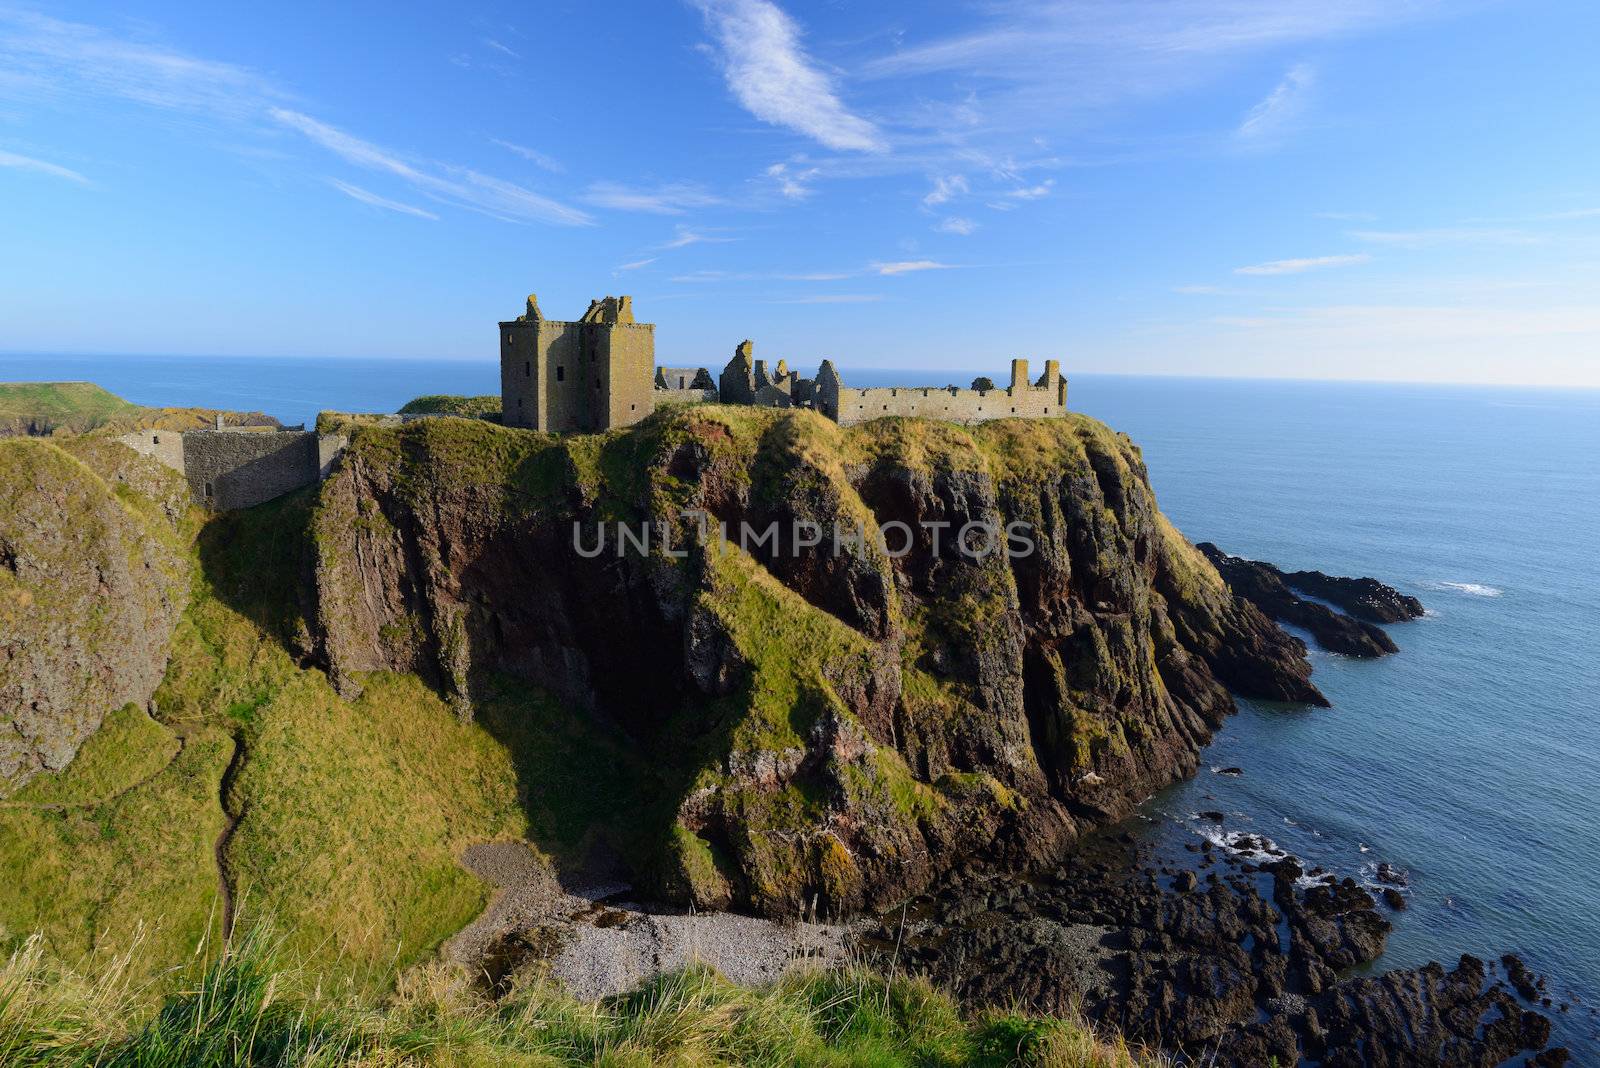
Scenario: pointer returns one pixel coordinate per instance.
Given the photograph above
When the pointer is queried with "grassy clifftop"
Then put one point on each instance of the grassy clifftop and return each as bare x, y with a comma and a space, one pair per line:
42, 409
452, 404
45, 407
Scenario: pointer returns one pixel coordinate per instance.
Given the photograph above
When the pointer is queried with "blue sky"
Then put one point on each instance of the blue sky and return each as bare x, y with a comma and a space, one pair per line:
1384, 189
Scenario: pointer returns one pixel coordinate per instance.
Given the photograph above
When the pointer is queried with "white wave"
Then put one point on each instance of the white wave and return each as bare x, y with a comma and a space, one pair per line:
1476, 589
1246, 845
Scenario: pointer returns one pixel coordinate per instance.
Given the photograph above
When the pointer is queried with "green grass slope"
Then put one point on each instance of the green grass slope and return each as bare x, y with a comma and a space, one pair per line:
453, 404
45, 407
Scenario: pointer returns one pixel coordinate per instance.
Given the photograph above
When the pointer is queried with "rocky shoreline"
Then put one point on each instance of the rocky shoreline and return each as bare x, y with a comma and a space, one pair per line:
1229, 961
1235, 959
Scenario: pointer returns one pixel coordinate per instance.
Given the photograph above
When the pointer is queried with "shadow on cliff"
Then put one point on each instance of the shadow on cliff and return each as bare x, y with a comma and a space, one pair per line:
259, 562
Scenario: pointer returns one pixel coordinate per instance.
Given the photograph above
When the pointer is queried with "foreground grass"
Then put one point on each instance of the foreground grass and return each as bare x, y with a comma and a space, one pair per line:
234, 1011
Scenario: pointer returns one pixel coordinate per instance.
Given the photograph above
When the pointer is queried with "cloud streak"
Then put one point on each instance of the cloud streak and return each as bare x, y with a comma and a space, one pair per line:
1282, 106
455, 185
532, 155
366, 197
774, 79
911, 266
672, 199
45, 57
39, 166
1301, 266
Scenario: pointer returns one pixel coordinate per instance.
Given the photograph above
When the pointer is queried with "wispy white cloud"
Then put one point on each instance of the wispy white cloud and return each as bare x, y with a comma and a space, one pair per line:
532, 155
457, 185
687, 237
946, 188
909, 266
1570, 216
1300, 266
39, 166
674, 198
490, 42
45, 57
366, 197
1274, 114
793, 182
1128, 44
636, 264
1033, 192
955, 224
1464, 235
775, 80
1345, 216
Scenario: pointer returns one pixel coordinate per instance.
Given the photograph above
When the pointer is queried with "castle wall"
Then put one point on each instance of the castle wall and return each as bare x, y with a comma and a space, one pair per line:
165, 446
849, 406
228, 469
520, 365
626, 364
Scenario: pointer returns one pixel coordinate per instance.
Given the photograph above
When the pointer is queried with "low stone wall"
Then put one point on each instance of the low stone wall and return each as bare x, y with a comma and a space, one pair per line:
227, 469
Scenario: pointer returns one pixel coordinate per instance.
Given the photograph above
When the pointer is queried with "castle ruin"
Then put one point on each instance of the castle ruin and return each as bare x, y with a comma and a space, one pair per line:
241, 466
593, 374
600, 372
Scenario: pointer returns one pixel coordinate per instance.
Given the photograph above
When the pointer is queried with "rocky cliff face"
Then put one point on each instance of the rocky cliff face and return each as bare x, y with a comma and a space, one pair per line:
92, 580
834, 720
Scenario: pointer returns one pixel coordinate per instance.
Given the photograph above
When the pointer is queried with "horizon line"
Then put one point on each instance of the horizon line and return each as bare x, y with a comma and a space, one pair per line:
493, 360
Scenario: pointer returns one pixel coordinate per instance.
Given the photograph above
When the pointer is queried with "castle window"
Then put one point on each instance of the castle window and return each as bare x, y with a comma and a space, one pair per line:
561, 374
633, 407
680, 381
1013, 411
155, 439
208, 489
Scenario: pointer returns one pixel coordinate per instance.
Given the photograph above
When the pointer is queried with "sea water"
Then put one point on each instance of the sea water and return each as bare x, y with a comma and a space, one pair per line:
1470, 761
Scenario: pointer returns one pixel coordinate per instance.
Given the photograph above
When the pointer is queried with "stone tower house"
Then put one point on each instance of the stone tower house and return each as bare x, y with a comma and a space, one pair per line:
593, 374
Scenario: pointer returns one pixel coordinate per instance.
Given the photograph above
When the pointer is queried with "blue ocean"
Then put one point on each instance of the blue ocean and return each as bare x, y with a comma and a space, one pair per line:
1470, 760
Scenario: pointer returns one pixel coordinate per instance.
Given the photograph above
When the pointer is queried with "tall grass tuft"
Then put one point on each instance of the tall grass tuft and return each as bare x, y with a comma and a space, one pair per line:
243, 1005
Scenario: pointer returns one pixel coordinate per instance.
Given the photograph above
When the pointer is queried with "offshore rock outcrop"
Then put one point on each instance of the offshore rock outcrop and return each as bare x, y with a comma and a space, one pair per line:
1269, 590
92, 581
833, 724
1366, 598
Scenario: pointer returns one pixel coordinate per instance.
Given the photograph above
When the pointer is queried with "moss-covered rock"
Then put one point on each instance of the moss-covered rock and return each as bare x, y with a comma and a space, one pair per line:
92, 581
849, 698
